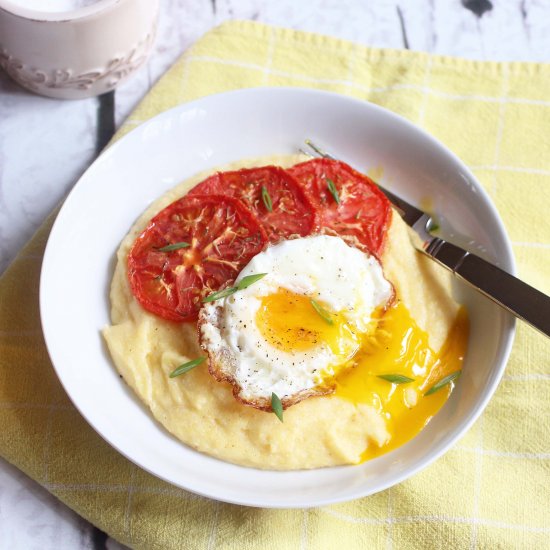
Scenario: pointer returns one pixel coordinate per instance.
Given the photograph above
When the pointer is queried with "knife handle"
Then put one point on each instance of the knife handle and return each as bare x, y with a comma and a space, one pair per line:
519, 298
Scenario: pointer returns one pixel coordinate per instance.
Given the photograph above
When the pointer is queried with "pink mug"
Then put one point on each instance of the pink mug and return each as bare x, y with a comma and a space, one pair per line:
79, 53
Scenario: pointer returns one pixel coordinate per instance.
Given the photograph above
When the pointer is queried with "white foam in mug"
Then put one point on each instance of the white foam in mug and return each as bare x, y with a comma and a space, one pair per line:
54, 6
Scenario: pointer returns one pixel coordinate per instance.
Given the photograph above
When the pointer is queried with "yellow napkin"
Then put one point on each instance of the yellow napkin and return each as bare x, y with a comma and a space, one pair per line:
491, 490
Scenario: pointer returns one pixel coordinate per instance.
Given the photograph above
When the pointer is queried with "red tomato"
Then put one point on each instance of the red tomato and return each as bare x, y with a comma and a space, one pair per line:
271, 193
223, 236
355, 209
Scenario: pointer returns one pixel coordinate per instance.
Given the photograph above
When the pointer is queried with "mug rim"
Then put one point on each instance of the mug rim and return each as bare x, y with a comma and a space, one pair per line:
13, 8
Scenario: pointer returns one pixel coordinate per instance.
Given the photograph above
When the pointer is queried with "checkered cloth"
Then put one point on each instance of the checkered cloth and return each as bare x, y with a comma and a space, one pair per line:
492, 489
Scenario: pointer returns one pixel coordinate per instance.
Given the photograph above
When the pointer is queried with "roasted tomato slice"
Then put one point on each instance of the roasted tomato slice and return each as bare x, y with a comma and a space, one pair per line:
348, 203
273, 195
169, 278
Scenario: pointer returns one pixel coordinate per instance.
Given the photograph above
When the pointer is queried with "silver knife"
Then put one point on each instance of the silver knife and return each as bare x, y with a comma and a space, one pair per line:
509, 292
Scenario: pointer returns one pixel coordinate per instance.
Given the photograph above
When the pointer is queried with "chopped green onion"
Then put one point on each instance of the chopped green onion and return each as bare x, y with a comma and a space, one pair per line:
220, 294
277, 406
245, 282
333, 191
175, 246
396, 378
186, 367
267, 199
433, 226
325, 315
443, 382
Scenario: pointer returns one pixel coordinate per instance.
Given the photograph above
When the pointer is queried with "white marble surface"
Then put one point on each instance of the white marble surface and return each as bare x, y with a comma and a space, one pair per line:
46, 144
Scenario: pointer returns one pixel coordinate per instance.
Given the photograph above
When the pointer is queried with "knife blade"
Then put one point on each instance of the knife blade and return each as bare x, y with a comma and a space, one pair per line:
509, 292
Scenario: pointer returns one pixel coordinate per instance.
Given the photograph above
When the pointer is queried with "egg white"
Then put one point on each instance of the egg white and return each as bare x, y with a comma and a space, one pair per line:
323, 267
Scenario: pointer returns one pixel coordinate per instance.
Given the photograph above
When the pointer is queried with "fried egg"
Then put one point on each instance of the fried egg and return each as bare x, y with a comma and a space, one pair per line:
292, 332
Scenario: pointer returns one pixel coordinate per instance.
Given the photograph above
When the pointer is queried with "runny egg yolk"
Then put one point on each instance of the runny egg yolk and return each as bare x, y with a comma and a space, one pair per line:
399, 346
289, 322
396, 345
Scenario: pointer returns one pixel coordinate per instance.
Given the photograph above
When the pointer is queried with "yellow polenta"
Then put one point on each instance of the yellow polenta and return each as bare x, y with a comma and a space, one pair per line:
203, 413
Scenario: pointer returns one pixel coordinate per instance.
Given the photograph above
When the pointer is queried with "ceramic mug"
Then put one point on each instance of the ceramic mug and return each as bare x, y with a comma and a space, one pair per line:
79, 53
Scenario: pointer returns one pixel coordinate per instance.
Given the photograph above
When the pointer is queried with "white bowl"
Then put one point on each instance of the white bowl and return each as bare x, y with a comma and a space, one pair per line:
203, 134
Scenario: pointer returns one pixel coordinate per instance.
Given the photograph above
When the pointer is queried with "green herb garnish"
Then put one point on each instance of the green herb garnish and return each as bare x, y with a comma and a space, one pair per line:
277, 406
267, 199
245, 282
443, 382
396, 378
175, 246
325, 315
186, 367
433, 226
333, 191
220, 294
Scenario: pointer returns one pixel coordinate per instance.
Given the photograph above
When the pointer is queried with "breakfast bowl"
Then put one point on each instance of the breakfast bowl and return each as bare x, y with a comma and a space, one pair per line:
200, 136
